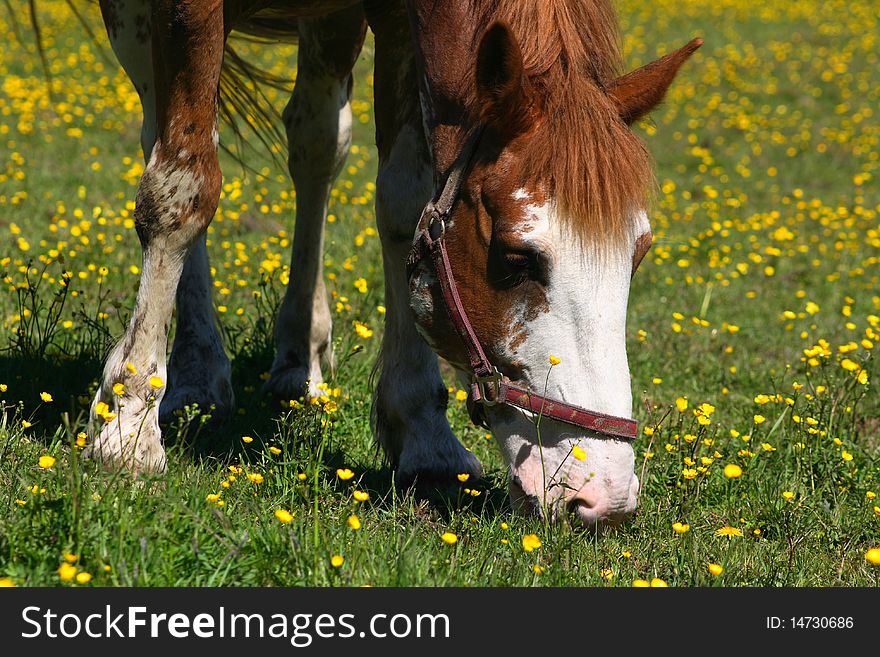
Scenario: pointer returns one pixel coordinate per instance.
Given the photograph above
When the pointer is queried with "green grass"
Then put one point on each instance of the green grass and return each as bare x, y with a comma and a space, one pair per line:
772, 125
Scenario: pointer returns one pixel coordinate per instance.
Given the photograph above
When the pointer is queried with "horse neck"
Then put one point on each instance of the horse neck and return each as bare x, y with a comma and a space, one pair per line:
444, 34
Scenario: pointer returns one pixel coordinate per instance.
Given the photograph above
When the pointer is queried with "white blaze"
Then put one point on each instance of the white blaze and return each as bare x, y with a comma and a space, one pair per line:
585, 327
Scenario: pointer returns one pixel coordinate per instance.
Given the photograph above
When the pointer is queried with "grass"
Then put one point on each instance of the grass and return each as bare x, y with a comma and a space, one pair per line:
766, 219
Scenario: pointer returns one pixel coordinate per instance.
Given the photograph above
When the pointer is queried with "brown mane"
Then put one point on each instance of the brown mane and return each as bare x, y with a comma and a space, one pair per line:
596, 167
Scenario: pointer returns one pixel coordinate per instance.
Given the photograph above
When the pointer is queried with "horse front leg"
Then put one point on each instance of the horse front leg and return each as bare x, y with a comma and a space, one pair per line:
410, 398
176, 200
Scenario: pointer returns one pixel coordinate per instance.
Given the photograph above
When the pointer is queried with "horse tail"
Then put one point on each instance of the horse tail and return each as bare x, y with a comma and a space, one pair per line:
243, 104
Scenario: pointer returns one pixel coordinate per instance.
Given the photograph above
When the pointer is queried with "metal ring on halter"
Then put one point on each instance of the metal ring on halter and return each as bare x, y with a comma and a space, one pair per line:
435, 219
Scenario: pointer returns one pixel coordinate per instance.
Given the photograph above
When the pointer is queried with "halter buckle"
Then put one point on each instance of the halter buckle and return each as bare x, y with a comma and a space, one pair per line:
493, 379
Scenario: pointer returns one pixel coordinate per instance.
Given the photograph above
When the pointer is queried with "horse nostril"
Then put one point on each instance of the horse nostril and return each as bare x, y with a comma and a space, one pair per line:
595, 514
584, 511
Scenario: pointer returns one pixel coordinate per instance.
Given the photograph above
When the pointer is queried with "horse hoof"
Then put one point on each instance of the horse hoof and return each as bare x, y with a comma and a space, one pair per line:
440, 474
291, 383
129, 442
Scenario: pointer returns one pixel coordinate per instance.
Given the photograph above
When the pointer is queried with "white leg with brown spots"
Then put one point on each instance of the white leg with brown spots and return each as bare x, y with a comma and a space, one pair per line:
176, 201
199, 370
318, 122
410, 399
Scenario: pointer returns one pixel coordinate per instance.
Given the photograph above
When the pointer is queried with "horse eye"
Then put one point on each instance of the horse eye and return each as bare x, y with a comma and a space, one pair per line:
518, 260
522, 265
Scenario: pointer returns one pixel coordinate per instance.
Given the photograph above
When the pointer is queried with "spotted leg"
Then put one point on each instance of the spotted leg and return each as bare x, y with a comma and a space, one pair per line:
199, 370
410, 398
318, 123
176, 200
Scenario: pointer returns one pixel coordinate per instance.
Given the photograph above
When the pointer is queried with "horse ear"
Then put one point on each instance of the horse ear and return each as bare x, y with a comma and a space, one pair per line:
502, 88
639, 91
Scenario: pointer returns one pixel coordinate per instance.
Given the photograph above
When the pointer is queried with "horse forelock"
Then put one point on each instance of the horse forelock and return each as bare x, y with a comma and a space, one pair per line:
595, 167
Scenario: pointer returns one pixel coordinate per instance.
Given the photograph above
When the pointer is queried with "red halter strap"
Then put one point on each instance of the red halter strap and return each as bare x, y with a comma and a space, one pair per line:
489, 387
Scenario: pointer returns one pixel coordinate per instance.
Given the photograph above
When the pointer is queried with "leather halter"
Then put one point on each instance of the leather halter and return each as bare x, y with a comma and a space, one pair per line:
490, 387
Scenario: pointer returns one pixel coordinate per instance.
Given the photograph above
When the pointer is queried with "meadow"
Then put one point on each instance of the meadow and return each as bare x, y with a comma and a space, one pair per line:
754, 324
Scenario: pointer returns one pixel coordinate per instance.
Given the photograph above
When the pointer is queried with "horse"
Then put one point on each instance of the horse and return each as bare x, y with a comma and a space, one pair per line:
512, 120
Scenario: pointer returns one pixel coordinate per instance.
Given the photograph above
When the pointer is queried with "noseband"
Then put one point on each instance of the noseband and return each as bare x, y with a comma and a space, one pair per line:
489, 387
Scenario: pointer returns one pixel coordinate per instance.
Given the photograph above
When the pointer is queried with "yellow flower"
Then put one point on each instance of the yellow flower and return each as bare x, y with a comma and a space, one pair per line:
849, 365
156, 383
538, 569
658, 583
505, 526
361, 496
69, 557
344, 473
846, 456
6, 583
732, 471
212, 497
460, 395
680, 527
606, 573
704, 409
247, 439
83, 578
787, 495
578, 453
274, 451
46, 397
759, 419
641, 583
681, 404
449, 538
873, 556
554, 360
66, 572
119, 389
255, 477
46, 461
131, 368
715, 569
354, 522
337, 560
729, 531
102, 410
463, 477
361, 285
531, 542
284, 516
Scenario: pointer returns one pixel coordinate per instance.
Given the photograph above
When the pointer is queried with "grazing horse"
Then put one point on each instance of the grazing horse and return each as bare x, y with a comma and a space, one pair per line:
511, 118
